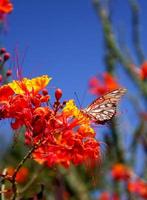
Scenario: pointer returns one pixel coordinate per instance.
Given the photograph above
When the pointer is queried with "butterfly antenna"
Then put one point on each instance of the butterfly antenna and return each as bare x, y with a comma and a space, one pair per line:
78, 99
83, 96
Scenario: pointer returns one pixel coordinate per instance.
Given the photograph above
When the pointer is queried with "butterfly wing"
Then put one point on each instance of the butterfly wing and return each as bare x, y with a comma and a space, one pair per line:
104, 108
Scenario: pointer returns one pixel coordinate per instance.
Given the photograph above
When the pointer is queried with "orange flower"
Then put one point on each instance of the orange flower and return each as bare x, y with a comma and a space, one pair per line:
5, 6
100, 87
105, 196
120, 172
21, 176
139, 187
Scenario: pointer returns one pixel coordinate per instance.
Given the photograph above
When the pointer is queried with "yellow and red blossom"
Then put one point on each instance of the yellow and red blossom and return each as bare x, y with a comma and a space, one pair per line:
29, 86
64, 134
70, 110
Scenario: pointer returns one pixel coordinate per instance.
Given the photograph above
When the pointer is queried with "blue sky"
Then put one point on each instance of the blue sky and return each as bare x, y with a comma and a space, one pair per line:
64, 40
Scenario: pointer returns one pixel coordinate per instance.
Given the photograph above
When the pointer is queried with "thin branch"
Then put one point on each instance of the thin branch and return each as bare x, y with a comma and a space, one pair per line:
35, 176
135, 30
3, 185
112, 46
14, 187
75, 183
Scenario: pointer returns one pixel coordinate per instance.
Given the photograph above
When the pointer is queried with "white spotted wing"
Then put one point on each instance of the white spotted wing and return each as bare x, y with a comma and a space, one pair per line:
104, 108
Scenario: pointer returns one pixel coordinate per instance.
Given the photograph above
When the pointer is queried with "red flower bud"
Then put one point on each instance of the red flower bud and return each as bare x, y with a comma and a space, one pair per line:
1, 78
2, 50
44, 92
6, 56
9, 72
58, 94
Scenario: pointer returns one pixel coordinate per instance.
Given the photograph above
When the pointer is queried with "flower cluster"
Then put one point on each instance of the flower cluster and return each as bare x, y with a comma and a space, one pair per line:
60, 134
121, 172
106, 83
133, 184
138, 187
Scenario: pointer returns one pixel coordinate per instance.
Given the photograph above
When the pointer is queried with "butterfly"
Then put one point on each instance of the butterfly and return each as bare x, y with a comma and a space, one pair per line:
104, 108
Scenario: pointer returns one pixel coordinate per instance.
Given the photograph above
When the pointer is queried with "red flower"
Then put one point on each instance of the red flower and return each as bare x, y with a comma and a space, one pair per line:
120, 172
5, 93
105, 196
19, 98
100, 87
5, 6
64, 145
143, 71
108, 196
64, 142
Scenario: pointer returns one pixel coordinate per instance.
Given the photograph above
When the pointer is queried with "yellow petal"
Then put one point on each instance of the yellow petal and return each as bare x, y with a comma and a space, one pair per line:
30, 85
71, 110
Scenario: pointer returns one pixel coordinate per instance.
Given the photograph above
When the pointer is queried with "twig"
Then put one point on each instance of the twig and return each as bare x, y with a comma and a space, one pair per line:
76, 185
3, 185
35, 176
135, 30
14, 187
111, 45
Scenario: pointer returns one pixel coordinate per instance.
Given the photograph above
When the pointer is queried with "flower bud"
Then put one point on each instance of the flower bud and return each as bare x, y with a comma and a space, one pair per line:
2, 50
6, 56
58, 94
44, 92
9, 72
1, 78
